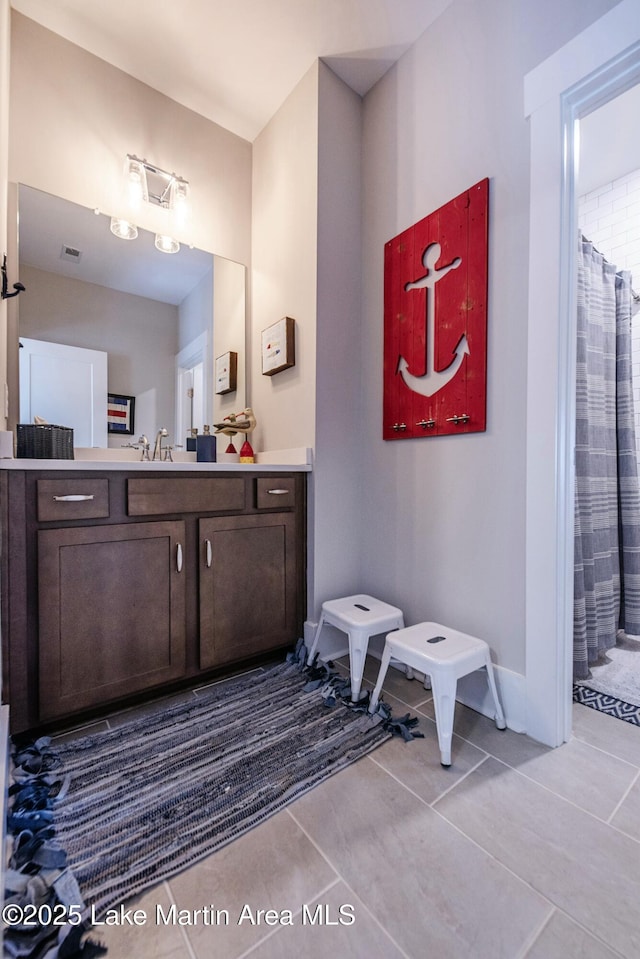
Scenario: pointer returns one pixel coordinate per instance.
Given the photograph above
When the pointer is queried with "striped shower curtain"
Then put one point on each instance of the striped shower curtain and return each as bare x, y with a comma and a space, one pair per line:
607, 496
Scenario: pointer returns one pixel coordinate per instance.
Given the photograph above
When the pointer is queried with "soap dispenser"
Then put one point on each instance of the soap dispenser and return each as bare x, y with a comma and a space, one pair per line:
206, 447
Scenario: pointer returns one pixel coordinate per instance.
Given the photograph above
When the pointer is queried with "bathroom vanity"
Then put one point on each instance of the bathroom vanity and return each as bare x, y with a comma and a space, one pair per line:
122, 580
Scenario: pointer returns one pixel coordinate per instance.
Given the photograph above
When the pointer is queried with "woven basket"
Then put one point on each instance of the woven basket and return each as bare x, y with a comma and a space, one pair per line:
46, 442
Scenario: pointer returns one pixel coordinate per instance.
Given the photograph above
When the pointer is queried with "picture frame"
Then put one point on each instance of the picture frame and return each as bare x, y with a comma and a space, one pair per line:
226, 372
121, 414
278, 346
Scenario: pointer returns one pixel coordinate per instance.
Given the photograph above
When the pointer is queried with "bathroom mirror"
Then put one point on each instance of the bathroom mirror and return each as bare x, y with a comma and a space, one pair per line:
162, 319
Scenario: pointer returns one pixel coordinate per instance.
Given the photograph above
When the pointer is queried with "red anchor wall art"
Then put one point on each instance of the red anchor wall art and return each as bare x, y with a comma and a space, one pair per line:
435, 321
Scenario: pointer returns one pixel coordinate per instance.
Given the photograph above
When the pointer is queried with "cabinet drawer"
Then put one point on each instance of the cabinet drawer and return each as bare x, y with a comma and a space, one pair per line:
63, 499
154, 497
275, 493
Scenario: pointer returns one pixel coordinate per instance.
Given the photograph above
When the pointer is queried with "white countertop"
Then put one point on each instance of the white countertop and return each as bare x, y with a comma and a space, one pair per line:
290, 461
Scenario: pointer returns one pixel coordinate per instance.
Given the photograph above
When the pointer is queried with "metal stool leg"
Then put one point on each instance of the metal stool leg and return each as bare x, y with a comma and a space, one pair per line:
444, 701
384, 665
357, 656
315, 640
500, 720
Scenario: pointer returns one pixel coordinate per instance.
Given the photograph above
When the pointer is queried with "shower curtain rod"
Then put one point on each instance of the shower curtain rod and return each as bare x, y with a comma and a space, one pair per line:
634, 296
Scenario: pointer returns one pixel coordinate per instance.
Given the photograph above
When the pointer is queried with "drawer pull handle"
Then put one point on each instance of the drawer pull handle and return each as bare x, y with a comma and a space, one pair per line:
179, 558
209, 553
73, 498
277, 492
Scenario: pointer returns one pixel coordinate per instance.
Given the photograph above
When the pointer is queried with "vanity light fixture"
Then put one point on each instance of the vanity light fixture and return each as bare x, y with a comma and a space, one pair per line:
147, 183
150, 184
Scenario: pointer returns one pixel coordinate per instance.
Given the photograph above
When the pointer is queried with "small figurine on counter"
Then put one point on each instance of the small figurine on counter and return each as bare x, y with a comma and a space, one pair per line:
243, 422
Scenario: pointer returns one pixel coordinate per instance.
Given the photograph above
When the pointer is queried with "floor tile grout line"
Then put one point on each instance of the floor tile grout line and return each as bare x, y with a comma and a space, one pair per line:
622, 800
569, 802
167, 888
601, 942
277, 929
605, 752
474, 842
525, 882
377, 922
515, 769
461, 832
558, 910
530, 942
340, 878
529, 885
441, 795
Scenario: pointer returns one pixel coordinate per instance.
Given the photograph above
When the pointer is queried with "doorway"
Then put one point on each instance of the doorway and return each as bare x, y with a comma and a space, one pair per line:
592, 69
191, 388
608, 216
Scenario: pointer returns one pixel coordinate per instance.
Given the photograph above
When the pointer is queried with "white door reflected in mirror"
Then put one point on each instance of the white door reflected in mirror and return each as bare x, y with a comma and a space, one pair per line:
66, 386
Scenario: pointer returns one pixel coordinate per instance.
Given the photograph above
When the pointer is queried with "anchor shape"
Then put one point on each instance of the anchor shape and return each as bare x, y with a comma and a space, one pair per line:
433, 380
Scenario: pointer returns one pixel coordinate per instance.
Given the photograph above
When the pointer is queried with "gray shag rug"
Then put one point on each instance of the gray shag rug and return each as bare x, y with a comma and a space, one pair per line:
136, 804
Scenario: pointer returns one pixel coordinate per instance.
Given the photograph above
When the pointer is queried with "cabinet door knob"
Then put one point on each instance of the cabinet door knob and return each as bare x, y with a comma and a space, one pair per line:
73, 498
179, 558
209, 554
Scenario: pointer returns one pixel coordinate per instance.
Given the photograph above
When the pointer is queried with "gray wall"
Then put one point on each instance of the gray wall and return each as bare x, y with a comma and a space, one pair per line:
140, 336
443, 518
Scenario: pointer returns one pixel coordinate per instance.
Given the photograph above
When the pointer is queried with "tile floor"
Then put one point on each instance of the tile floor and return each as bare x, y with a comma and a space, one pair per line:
514, 851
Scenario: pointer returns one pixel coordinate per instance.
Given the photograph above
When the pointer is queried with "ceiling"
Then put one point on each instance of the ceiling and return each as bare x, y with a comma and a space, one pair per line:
236, 61
232, 61
49, 225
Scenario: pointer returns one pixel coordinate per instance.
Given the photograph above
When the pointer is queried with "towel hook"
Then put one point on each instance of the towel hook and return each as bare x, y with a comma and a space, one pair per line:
17, 287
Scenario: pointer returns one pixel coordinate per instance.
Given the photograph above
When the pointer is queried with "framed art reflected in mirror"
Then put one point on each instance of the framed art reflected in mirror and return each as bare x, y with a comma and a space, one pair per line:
120, 414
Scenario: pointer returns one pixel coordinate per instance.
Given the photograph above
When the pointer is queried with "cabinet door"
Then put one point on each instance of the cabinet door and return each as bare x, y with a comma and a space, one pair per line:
247, 586
111, 612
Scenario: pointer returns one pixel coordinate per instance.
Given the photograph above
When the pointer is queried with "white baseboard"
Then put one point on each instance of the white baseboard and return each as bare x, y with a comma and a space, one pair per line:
474, 693
472, 689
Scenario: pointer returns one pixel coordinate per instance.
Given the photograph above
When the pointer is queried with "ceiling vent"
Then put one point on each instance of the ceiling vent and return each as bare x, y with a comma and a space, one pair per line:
70, 253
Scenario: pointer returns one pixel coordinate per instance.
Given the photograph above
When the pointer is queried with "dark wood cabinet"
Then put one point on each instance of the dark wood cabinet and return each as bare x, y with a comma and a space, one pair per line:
111, 616
118, 585
247, 585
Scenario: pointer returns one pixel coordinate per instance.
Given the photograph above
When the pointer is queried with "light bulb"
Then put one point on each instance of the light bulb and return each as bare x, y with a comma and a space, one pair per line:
123, 228
136, 181
179, 202
166, 244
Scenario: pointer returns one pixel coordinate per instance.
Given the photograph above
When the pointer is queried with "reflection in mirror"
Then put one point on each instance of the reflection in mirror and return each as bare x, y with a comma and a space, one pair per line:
161, 319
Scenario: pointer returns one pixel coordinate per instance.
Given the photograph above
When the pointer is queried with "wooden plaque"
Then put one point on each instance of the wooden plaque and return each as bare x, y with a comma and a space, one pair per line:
435, 321
278, 346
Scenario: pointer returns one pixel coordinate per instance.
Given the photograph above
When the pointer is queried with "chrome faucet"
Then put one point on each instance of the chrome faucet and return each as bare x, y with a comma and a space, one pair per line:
144, 443
157, 449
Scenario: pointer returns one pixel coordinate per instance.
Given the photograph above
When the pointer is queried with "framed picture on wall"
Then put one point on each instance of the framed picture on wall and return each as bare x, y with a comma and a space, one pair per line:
278, 346
120, 414
226, 372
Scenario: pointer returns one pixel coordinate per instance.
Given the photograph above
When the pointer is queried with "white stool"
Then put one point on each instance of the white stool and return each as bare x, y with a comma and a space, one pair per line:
360, 617
443, 655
